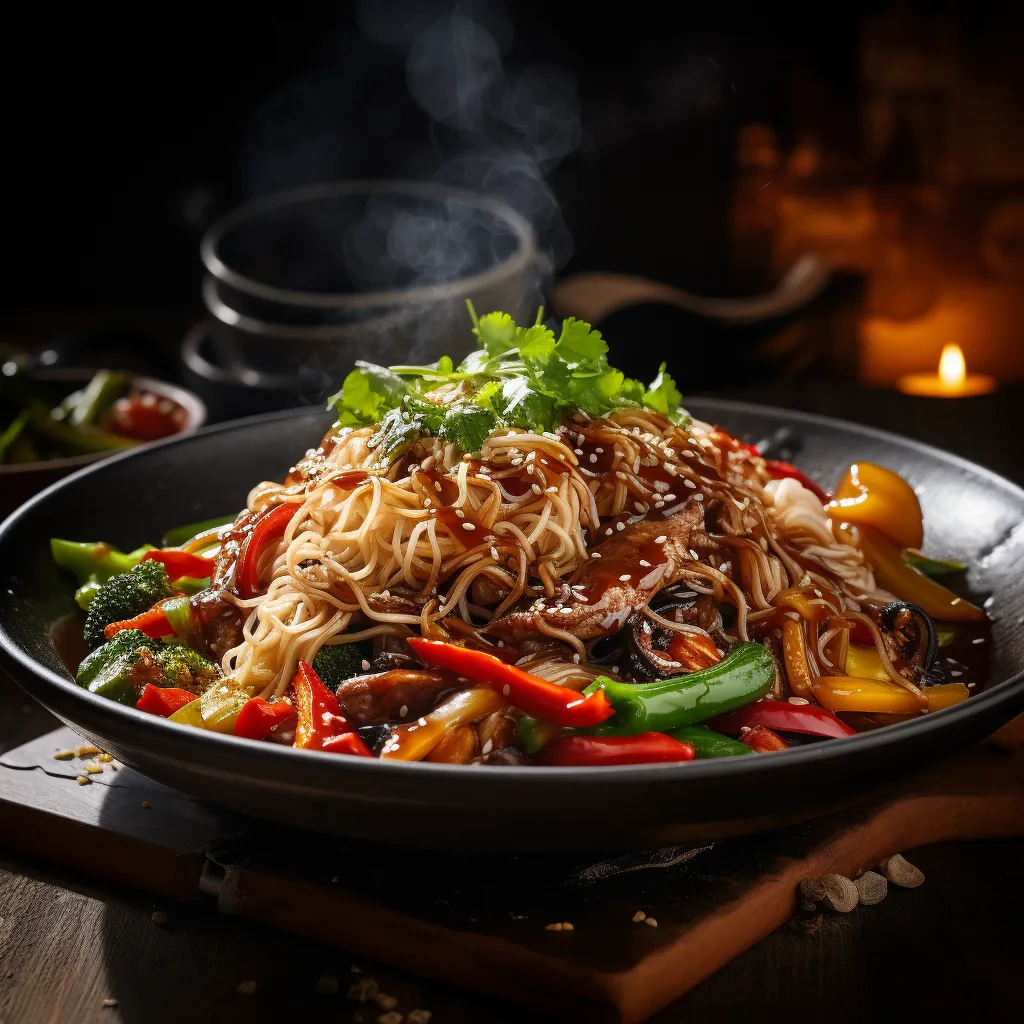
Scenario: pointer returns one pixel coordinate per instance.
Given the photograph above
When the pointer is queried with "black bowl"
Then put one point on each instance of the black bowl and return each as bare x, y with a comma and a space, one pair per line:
970, 513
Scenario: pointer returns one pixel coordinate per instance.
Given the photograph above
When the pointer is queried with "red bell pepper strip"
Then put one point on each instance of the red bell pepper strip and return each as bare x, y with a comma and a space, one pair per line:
154, 623
181, 563
645, 748
786, 717
529, 693
763, 741
163, 700
269, 527
322, 724
779, 470
259, 716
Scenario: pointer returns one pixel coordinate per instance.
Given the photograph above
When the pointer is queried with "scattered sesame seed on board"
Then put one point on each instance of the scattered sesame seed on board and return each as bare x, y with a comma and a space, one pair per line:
64, 755
652, 921
94, 769
87, 751
639, 916
109, 1003
105, 758
555, 926
83, 780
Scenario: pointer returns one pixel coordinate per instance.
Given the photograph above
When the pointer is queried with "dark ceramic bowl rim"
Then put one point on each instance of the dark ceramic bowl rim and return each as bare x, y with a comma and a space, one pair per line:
524, 254
500, 777
194, 407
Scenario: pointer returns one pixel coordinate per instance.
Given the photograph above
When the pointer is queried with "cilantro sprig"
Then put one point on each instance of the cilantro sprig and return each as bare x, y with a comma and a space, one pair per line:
519, 377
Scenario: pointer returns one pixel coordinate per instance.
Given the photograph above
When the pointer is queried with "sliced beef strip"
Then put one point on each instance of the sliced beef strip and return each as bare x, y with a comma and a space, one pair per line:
380, 696
630, 567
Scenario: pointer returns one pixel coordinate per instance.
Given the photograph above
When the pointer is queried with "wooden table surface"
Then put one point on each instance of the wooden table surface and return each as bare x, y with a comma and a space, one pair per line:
949, 949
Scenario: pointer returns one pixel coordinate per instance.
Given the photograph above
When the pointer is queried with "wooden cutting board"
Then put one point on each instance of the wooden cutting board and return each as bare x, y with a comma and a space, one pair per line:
481, 922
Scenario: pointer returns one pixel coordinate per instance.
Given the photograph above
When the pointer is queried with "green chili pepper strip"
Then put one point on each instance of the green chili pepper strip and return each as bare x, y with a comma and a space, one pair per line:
179, 535
707, 743
744, 676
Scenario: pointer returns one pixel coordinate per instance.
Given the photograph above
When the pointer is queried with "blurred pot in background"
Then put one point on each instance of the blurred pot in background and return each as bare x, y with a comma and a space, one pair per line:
302, 283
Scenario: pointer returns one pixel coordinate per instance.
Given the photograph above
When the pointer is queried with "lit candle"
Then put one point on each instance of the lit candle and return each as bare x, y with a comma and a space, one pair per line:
952, 380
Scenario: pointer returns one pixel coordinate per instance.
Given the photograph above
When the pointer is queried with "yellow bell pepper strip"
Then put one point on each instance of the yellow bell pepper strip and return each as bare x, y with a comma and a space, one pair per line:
457, 747
595, 751
415, 741
876, 497
864, 663
794, 654
322, 724
190, 715
848, 693
529, 693
945, 695
163, 700
783, 716
893, 573
762, 740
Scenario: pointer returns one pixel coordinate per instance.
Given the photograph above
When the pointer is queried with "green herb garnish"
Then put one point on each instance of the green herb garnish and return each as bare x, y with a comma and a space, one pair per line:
519, 377
931, 566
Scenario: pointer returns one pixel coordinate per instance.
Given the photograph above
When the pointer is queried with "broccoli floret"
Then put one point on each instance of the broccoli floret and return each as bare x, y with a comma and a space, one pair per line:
337, 663
109, 670
184, 667
124, 597
130, 659
94, 561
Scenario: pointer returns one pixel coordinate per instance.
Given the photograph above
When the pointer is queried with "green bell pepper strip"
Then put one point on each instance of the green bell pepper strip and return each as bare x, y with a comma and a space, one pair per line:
744, 676
178, 535
707, 743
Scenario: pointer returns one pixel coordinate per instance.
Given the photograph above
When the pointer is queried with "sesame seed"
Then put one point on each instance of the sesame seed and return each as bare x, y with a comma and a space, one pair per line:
82, 780
365, 665
94, 769
698, 496
437, 486
690, 484
645, 563
575, 659
595, 554
639, 916
422, 721
620, 526
593, 458
494, 553
403, 711
109, 1003
469, 526
953, 673
640, 507
670, 497
978, 640
555, 926
529, 469
652, 921
64, 755
608, 532
536, 489
506, 690
625, 579
661, 539
799, 700
486, 748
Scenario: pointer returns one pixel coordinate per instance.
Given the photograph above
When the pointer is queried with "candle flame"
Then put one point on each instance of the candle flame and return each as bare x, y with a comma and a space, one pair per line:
952, 366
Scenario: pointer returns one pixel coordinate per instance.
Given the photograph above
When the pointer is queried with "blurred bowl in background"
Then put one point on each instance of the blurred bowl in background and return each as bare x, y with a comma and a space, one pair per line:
19, 481
302, 283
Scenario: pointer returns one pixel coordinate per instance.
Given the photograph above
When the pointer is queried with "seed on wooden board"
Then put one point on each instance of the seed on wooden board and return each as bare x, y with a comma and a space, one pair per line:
811, 890
898, 870
840, 893
871, 888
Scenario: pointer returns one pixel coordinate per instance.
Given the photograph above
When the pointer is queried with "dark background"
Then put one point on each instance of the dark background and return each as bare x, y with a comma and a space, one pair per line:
126, 133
